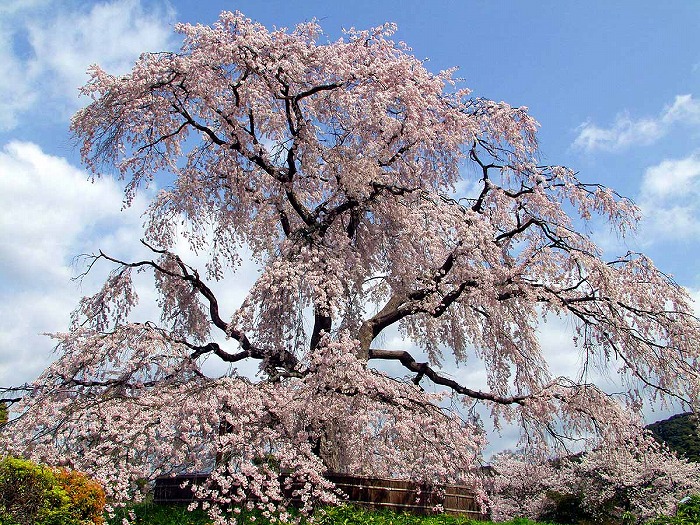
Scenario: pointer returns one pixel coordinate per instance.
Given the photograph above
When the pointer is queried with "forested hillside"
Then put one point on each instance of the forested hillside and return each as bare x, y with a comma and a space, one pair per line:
680, 433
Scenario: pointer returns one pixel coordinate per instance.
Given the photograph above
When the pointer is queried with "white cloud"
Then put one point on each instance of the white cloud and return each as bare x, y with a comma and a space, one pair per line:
623, 133
684, 109
45, 206
57, 50
626, 131
672, 178
670, 199
49, 212
111, 34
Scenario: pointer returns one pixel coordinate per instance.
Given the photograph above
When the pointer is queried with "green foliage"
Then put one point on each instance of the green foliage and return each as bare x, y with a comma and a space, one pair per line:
32, 494
680, 433
4, 413
149, 514
688, 513
349, 515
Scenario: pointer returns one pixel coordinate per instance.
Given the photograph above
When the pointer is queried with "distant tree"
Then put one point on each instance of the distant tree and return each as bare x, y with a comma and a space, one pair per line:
4, 414
680, 434
373, 194
626, 484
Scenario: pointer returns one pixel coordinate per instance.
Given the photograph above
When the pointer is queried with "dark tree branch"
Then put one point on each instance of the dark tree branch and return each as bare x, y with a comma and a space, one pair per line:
424, 370
192, 277
322, 323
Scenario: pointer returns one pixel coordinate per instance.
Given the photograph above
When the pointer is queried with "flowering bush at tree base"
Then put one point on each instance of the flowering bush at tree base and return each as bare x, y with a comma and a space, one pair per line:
32, 494
629, 484
688, 513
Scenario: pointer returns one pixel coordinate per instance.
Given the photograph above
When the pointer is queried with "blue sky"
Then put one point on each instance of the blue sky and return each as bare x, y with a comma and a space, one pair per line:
615, 86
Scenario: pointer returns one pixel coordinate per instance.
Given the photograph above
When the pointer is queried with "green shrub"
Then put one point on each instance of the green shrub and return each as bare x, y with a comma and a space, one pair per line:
4, 413
32, 494
688, 513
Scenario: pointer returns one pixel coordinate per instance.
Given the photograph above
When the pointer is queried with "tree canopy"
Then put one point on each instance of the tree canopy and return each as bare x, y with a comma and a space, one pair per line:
373, 194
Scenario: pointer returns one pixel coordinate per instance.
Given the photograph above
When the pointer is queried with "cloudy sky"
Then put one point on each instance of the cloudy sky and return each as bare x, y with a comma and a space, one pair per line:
615, 86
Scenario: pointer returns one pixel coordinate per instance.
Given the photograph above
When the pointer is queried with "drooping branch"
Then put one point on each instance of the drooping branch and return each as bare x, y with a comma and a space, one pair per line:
190, 275
425, 370
11, 395
279, 364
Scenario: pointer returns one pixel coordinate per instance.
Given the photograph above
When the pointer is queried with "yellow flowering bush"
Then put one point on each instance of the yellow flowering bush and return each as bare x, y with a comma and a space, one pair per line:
32, 494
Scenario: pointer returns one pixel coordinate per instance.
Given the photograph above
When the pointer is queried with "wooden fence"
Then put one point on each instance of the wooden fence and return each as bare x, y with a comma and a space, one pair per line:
408, 496
394, 494
169, 489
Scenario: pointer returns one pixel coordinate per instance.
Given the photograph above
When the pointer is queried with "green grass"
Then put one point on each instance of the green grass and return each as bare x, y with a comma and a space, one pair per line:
150, 514
348, 515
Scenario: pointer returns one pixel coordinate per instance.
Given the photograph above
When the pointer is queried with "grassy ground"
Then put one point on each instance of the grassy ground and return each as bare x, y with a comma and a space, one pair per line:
178, 515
